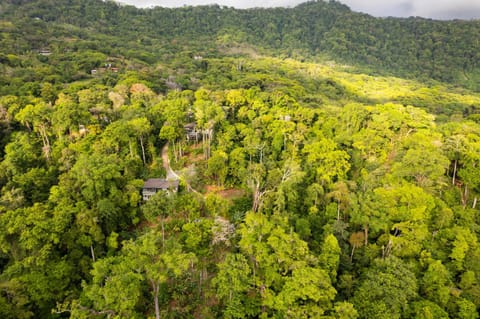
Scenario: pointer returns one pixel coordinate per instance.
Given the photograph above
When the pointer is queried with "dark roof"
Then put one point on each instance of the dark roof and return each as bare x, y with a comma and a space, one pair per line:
160, 183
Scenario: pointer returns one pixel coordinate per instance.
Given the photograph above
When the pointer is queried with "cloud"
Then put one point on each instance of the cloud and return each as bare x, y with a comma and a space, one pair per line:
381, 8
436, 9
446, 9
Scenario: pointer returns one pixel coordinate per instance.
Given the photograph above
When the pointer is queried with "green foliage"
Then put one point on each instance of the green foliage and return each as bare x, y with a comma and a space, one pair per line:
386, 290
427, 309
286, 281
329, 258
119, 283
300, 175
232, 283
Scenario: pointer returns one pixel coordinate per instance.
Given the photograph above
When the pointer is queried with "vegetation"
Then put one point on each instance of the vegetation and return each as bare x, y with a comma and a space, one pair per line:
309, 189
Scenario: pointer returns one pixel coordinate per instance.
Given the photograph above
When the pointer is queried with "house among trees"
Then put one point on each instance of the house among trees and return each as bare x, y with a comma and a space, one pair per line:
44, 52
108, 67
154, 185
191, 132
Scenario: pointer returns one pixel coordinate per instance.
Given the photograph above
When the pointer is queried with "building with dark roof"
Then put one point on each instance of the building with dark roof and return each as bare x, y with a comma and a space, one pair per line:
154, 185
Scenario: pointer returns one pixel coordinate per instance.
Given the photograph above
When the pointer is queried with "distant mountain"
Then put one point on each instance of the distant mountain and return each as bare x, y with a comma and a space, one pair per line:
448, 51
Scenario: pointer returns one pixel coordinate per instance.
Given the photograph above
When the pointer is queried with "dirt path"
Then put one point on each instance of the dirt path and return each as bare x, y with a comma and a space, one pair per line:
171, 175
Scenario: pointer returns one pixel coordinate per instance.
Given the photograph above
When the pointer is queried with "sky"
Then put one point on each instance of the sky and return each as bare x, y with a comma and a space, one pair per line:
435, 9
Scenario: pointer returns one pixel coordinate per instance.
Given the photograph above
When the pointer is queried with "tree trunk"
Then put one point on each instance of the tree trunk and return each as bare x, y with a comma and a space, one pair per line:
131, 148
200, 282
92, 252
338, 210
351, 255
256, 199
143, 150
465, 196
156, 288
366, 234
454, 171
163, 233
203, 145
474, 202
46, 142
157, 308
209, 140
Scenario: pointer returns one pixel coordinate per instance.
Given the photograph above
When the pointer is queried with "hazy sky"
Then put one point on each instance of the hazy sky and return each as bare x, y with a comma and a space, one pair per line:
436, 9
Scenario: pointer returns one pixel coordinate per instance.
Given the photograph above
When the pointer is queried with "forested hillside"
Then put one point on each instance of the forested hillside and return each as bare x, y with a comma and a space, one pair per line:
317, 30
328, 163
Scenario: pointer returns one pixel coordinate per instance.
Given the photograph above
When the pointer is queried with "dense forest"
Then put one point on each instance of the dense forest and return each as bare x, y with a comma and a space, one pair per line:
328, 163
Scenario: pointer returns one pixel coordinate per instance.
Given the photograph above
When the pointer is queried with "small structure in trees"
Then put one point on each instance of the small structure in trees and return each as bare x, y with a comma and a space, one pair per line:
191, 132
44, 52
107, 67
154, 185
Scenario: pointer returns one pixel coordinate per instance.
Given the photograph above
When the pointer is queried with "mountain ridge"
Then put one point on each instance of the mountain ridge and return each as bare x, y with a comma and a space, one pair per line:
407, 47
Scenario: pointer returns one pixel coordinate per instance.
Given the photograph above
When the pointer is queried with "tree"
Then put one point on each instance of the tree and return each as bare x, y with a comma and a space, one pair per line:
428, 310
256, 181
38, 118
454, 146
141, 128
329, 258
329, 163
22, 154
118, 281
345, 310
159, 206
385, 290
466, 309
287, 184
103, 198
217, 166
235, 99
286, 279
13, 301
116, 288
207, 115
435, 284
237, 164
159, 264
404, 209
233, 283
174, 111
37, 275
68, 115
423, 162
469, 168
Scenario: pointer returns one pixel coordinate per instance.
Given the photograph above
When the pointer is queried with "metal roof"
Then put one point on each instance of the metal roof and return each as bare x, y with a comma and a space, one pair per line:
160, 183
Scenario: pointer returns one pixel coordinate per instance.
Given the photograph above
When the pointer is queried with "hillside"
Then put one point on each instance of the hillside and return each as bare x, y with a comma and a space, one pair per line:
415, 48
323, 173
